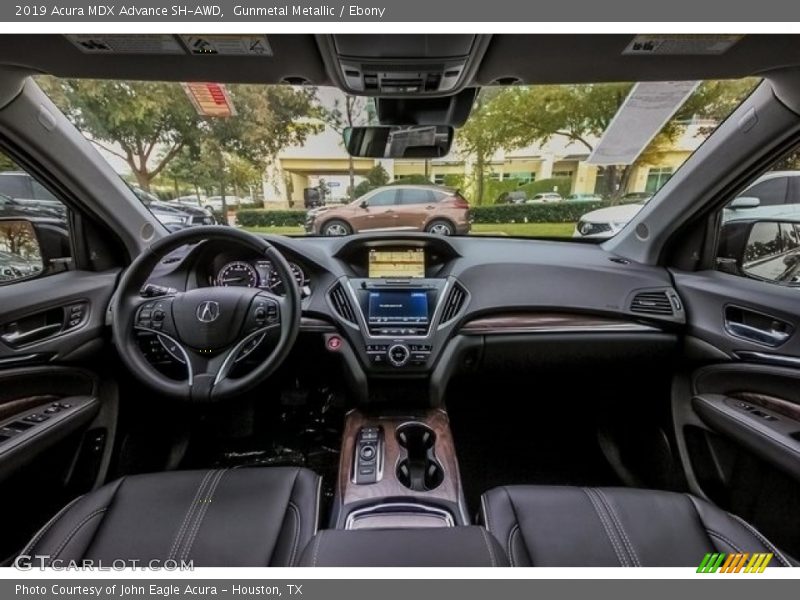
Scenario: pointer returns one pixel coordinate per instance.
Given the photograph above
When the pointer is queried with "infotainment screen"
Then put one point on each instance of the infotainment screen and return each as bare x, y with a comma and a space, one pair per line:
398, 307
397, 264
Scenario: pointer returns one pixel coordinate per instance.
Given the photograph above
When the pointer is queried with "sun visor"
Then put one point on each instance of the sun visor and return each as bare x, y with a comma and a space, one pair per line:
648, 107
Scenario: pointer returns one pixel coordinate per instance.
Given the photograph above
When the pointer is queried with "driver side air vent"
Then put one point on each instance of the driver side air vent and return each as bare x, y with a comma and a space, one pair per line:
341, 303
453, 303
652, 303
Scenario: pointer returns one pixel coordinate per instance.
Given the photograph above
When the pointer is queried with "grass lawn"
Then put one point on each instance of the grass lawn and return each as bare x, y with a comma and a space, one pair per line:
520, 229
524, 229
288, 230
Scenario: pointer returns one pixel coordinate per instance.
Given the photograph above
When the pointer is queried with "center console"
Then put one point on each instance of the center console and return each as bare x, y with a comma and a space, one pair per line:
397, 307
398, 471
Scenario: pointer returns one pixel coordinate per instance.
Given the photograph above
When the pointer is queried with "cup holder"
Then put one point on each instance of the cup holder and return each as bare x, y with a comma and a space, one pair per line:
418, 470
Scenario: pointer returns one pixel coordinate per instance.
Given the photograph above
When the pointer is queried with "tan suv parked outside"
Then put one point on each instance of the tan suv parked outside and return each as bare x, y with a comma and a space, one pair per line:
395, 208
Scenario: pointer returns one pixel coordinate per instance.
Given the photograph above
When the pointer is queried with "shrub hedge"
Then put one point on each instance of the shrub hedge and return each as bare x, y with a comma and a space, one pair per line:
270, 218
555, 212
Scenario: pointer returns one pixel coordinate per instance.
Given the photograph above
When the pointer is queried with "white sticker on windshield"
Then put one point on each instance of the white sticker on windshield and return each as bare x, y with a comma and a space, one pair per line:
127, 44
681, 45
228, 45
642, 115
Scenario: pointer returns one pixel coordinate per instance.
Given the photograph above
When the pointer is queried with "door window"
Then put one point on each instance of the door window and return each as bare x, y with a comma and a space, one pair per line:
384, 198
34, 228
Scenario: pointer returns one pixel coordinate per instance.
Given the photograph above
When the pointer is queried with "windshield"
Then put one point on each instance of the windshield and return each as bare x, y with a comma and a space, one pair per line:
571, 161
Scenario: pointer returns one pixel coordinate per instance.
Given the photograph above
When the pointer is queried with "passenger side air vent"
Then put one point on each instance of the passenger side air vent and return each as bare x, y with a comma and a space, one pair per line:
453, 303
652, 303
341, 303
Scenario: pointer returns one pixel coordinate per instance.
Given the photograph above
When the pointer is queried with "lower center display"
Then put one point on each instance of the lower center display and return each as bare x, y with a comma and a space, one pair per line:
398, 307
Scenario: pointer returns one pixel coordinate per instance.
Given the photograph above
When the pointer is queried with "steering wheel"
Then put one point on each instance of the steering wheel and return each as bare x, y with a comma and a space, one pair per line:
207, 329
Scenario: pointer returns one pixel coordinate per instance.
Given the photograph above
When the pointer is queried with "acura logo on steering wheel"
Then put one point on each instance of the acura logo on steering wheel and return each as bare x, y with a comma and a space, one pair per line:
207, 311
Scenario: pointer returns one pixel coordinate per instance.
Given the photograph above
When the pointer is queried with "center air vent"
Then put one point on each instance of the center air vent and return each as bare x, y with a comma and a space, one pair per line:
341, 303
653, 303
453, 303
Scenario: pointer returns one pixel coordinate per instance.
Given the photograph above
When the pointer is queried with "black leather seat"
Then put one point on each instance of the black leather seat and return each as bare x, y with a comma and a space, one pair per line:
546, 526
219, 518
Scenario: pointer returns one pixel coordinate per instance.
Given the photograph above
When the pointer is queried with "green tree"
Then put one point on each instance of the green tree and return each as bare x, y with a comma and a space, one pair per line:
519, 116
486, 131
145, 124
342, 115
374, 178
6, 164
268, 119
149, 125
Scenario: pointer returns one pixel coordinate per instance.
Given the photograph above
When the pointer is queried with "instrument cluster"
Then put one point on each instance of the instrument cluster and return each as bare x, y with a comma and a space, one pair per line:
257, 274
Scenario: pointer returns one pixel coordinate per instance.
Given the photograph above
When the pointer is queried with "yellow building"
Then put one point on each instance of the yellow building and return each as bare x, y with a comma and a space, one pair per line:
323, 158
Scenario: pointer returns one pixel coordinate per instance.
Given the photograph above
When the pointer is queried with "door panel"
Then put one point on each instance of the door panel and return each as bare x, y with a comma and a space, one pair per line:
737, 422
58, 407
57, 427
708, 297
54, 318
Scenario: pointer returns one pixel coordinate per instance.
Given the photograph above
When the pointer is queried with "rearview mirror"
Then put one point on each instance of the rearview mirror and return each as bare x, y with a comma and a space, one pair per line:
772, 252
414, 141
744, 202
20, 252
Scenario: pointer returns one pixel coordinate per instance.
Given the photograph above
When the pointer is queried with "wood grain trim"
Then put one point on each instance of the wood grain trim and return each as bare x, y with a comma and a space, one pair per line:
546, 322
787, 408
389, 486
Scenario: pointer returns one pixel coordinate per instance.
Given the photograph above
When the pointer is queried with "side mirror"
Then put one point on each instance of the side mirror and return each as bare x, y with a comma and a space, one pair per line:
20, 251
744, 202
363, 204
771, 252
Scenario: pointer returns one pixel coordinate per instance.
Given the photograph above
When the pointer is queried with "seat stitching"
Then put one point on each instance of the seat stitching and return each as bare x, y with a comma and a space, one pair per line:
316, 548
510, 544
485, 535
610, 532
277, 540
176, 543
318, 508
296, 543
485, 512
763, 540
202, 513
611, 538
782, 559
47, 527
728, 541
693, 502
75, 530
615, 518
517, 521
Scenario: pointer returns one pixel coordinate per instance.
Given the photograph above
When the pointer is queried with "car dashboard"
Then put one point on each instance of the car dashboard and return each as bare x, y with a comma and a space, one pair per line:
419, 305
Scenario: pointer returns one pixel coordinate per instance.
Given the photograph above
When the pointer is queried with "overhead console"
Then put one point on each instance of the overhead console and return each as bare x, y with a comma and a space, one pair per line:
402, 65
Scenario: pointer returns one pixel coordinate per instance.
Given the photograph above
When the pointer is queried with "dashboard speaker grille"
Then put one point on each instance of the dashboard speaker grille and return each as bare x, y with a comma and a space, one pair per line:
454, 303
652, 303
341, 303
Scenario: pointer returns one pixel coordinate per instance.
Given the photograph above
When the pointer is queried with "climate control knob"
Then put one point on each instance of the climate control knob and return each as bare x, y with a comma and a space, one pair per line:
398, 355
